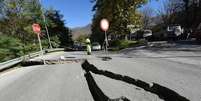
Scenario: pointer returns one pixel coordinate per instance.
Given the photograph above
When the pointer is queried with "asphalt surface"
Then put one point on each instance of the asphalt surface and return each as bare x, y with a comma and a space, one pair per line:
179, 71
174, 72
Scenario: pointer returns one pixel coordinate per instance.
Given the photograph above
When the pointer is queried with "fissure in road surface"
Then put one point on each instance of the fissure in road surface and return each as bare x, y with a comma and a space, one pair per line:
163, 92
97, 93
50, 62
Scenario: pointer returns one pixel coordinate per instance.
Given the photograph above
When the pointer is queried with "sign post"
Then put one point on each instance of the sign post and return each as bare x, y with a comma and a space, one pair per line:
37, 29
46, 28
104, 24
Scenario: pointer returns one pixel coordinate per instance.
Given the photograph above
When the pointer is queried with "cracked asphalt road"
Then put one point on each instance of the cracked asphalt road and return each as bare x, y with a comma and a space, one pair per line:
66, 82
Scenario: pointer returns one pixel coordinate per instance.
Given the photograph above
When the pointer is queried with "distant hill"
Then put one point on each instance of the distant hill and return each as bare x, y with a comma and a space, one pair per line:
85, 30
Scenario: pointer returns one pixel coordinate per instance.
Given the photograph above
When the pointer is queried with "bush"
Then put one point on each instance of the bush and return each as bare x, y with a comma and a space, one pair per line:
142, 42
31, 48
121, 44
10, 48
54, 42
114, 43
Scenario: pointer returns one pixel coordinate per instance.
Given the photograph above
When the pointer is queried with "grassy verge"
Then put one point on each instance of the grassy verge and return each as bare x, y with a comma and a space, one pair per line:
117, 45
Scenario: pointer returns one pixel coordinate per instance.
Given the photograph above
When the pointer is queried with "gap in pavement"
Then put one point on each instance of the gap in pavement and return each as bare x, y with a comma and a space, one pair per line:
50, 62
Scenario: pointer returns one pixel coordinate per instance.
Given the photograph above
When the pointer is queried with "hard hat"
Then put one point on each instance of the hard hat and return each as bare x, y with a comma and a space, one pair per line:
88, 40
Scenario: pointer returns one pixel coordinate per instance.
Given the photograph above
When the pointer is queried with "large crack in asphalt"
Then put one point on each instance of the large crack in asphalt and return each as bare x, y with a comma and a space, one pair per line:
97, 93
162, 92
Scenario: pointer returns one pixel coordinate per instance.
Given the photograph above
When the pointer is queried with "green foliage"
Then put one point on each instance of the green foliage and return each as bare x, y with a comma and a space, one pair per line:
17, 37
18, 17
54, 40
10, 48
30, 48
57, 28
82, 38
121, 44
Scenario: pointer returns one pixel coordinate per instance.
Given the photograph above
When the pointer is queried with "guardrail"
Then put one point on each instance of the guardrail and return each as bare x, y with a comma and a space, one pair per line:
10, 63
7, 64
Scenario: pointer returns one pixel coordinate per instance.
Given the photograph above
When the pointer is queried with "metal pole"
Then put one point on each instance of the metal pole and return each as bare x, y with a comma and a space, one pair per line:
44, 20
41, 49
106, 43
47, 32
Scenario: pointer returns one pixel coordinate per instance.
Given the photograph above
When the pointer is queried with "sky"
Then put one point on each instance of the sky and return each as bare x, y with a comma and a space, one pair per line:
79, 13
76, 12
155, 5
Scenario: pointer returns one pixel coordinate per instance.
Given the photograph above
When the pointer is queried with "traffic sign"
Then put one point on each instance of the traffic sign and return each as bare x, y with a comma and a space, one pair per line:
104, 24
36, 28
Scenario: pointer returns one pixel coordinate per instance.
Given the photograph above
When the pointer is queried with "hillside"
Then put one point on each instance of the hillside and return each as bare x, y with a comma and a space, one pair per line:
85, 30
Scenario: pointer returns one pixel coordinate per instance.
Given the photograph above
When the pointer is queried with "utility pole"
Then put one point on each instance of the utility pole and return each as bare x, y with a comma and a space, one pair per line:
106, 43
44, 20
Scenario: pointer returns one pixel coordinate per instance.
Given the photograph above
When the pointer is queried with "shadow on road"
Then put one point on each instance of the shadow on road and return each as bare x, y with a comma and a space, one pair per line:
187, 42
163, 92
163, 57
105, 58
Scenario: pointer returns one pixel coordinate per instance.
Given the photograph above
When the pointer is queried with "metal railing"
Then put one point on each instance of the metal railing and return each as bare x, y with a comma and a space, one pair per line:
10, 63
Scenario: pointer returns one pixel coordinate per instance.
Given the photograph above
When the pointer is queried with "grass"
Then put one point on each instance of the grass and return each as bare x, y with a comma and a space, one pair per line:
117, 45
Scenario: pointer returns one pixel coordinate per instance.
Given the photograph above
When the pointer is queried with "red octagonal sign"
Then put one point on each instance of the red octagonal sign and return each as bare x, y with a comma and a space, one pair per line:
104, 24
36, 28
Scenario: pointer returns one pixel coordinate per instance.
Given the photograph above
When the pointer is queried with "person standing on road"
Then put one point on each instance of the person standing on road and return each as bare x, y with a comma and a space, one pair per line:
88, 43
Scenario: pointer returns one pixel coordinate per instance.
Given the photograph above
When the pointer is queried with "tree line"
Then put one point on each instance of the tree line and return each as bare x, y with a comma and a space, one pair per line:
120, 14
186, 13
17, 37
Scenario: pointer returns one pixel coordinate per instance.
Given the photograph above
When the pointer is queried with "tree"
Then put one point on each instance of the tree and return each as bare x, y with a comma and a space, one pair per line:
82, 38
16, 19
120, 13
147, 15
57, 27
170, 12
190, 10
